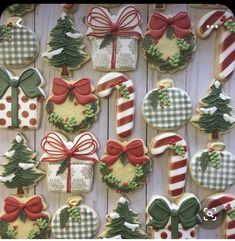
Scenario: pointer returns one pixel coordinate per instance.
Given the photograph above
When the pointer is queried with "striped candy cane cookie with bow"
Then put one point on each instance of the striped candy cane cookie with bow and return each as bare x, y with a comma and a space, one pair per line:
125, 99
224, 202
177, 146
223, 21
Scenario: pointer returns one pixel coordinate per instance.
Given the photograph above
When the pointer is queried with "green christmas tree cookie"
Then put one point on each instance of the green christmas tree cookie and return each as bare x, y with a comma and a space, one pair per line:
21, 170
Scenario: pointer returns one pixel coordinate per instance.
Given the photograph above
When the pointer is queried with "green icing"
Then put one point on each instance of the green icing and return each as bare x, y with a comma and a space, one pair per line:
230, 25
64, 217
169, 32
19, 9
63, 166
124, 91
179, 150
210, 157
186, 214
5, 33
74, 213
44, 229
231, 214
159, 97
108, 39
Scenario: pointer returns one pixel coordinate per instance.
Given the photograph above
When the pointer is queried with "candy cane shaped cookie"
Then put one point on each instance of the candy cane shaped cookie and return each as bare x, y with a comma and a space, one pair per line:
223, 21
178, 162
125, 99
224, 202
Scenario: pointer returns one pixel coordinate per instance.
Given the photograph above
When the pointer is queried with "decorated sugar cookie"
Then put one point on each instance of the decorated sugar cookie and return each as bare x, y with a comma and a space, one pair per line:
19, 9
65, 47
19, 45
166, 107
125, 166
20, 170
223, 202
177, 167
108, 5
24, 218
20, 99
75, 221
223, 22
169, 43
72, 107
214, 116
69, 8
70, 163
177, 220
125, 99
114, 38
122, 223
214, 167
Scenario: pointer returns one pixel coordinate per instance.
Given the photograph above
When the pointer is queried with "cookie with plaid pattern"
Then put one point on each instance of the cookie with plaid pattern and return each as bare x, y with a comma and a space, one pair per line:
166, 107
214, 167
75, 221
19, 45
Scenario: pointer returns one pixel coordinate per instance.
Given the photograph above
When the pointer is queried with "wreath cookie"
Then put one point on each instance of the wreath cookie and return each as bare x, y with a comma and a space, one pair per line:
167, 107
170, 42
125, 167
72, 106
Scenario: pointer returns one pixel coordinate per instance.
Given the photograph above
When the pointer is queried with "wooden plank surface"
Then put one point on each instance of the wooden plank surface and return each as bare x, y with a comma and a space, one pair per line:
195, 79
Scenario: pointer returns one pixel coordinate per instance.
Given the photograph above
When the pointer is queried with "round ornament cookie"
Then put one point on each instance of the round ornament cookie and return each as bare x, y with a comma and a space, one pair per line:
24, 218
169, 43
214, 167
122, 223
124, 166
72, 107
75, 221
166, 107
19, 45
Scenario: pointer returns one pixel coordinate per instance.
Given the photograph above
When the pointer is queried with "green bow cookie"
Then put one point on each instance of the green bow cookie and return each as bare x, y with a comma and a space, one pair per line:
186, 214
29, 81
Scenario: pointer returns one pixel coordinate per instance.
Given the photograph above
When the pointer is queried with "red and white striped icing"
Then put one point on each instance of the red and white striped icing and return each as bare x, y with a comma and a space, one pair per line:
125, 107
223, 202
226, 44
177, 165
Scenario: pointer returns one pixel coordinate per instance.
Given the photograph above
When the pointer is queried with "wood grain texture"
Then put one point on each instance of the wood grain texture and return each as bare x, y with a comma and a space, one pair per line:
195, 79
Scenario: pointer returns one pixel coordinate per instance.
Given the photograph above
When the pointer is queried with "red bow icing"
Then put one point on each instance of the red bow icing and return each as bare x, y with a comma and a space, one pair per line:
134, 151
125, 24
180, 24
81, 90
32, 209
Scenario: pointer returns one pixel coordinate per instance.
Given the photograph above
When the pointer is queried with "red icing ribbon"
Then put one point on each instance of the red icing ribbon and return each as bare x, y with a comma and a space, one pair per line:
32, 209
180, 24
134, 151
57, 151
81, 90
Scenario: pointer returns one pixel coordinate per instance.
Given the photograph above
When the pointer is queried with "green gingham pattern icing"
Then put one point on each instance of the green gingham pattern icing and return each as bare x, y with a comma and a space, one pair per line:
213, 178
86, 229
21, 49
170, 117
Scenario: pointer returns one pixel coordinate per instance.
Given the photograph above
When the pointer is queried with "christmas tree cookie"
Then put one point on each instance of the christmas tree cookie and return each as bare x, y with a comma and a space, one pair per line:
75, 221
72, 107
170, 42
122, 223
20, 171
166, 107
213, 167
19, 45
65, 46
214, 116
24, 218
124, 166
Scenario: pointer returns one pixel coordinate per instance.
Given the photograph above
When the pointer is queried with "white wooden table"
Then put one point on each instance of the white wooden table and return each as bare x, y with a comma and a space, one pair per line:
195, 79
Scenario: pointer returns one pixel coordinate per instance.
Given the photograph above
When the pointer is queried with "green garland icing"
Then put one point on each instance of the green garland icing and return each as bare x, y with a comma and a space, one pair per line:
142, 173
70, 125
159, 97
124, 91
74, 213
6, 33
178, 60
22, 216
230, 25
179, 150
231, 214
210, 157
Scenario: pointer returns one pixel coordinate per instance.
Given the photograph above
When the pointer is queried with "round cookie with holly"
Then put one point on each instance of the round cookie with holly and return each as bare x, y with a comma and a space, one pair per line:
169, 43
125, 167
166, 107
72, 107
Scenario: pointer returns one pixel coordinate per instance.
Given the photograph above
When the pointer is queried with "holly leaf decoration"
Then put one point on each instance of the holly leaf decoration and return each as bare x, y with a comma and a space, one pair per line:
108, 38
153, 98
64, 216
71, 96
63, 166
22, 216
169, 32
123, 159
231, 214
204, 161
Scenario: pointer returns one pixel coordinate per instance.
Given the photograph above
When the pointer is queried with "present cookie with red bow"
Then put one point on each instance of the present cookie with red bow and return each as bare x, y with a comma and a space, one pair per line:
125, 166
169, 43
24, 218
114, 38
72, 107
70, 163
